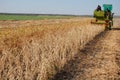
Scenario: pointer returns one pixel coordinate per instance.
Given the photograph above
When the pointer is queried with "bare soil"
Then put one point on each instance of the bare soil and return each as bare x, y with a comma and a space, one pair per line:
99, 60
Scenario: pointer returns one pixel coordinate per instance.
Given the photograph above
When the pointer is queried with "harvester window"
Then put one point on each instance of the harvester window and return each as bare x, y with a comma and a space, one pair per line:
98, 8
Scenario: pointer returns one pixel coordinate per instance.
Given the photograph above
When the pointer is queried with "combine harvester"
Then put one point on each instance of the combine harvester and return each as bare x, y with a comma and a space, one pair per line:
104, 16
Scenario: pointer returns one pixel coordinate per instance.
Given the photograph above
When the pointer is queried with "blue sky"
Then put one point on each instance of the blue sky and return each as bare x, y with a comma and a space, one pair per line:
77, 7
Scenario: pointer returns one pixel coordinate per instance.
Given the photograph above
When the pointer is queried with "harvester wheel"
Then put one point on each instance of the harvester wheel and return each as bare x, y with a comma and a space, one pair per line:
110, 24
107, 24
96, 20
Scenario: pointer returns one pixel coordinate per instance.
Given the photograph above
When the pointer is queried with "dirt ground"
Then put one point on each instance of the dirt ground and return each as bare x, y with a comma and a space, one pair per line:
99, 60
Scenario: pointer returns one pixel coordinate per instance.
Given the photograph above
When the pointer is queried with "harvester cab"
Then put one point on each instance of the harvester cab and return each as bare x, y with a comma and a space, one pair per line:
104, 16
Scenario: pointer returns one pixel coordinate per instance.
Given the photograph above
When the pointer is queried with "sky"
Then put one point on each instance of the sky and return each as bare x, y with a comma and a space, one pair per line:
74, 7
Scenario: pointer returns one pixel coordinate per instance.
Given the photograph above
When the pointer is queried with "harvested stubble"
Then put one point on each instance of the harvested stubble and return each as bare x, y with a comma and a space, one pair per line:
38, 52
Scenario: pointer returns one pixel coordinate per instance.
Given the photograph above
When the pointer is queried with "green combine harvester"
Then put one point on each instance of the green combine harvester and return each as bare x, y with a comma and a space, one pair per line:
104, 16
